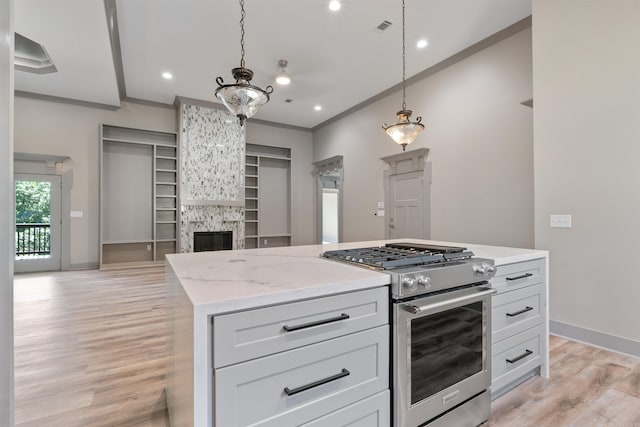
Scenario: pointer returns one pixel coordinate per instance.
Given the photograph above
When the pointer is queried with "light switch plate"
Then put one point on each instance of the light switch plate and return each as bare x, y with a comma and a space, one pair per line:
380, 205
560, 221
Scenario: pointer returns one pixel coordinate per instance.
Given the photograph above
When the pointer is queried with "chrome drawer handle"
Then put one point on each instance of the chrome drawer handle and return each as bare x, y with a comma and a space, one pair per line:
517, 313
343, 316
522, 356
524, 276
291, 391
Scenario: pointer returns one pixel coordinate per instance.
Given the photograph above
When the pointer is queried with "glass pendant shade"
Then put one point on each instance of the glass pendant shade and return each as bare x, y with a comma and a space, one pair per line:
404, 131
242, 98
283, 78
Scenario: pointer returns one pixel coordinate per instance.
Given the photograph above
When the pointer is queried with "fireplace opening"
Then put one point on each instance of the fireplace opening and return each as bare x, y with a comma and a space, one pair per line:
212, 241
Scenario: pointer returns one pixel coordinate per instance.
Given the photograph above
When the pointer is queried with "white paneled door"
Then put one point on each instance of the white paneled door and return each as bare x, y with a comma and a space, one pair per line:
38, 222
407, 209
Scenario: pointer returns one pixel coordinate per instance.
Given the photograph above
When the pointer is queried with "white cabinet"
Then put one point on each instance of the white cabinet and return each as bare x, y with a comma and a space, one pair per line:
315, 362
251, 334
518, 324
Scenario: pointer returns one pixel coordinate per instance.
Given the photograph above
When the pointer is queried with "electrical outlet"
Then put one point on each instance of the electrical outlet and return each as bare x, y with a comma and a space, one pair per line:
148, 247
560, 221
265, 242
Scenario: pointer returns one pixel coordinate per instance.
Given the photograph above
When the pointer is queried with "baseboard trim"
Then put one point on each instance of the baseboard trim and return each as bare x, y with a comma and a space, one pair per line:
598, 339
84, 266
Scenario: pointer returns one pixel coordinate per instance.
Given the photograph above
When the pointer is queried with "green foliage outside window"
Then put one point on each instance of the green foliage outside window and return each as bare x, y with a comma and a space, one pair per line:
33, 206
33, 202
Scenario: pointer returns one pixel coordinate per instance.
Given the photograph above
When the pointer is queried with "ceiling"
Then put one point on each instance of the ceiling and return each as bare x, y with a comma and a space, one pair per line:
336, 59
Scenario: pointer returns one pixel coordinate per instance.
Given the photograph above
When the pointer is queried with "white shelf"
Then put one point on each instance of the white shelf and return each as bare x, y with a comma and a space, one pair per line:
127, 242
134, 141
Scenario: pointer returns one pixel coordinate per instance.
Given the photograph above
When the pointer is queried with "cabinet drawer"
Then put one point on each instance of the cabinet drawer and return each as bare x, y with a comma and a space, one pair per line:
255, 392
515, 356
519, 275
373, 411
247, 335
516, 311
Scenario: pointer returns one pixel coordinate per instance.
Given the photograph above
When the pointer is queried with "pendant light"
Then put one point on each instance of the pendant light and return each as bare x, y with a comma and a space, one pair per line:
283, 78
242, 99
404, 131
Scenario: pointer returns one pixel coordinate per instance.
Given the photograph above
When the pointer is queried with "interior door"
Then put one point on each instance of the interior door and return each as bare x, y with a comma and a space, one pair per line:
38, 220
407, 213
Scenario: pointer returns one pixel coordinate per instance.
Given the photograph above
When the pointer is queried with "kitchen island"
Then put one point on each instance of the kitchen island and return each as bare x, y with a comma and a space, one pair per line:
225, 319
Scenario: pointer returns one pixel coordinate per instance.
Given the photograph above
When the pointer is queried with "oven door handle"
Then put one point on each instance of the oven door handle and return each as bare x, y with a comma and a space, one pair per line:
480, 293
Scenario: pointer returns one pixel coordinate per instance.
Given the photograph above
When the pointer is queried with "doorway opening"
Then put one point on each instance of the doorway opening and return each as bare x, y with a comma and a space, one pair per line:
37, 234
329, 174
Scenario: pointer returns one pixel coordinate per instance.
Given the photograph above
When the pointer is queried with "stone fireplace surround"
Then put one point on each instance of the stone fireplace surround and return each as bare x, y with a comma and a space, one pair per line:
212, 154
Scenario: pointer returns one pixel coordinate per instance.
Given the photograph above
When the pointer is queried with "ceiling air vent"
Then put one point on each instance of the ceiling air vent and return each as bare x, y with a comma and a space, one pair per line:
31, 56
383, 25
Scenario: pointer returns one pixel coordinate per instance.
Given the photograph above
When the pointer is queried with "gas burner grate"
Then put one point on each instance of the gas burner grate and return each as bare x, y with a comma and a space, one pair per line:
398, 255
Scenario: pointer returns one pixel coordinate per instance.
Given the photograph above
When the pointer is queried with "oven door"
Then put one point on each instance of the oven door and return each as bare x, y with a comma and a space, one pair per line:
442, 353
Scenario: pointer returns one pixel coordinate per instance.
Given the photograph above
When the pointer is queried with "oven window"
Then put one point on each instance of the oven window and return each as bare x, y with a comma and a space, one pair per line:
446, 348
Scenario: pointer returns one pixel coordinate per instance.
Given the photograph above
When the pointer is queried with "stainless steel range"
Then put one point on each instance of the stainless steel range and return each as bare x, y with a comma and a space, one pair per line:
441, 308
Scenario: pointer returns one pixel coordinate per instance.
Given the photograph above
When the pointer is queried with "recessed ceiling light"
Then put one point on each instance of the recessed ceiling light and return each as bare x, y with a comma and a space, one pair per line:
318, 108
422, 43
167, 75
335, 5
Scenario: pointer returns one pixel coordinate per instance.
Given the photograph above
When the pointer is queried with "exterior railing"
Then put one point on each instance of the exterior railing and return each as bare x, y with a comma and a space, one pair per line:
33, 239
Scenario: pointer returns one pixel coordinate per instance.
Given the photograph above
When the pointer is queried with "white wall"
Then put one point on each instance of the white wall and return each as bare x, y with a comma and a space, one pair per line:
7, 214
44, 127
586, 76
480, 141
303, 211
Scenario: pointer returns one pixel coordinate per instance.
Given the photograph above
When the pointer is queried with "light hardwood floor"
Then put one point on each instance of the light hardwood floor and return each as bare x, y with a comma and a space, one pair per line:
90, 351
90, 348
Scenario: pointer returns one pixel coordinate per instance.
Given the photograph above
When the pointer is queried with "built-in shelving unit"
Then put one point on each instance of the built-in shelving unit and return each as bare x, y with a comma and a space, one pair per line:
267, 196
139, 213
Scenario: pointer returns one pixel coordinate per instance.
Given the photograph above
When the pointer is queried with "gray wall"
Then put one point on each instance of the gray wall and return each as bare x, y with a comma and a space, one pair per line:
44, 127
587, 145
480, 141
303, 211
7, 213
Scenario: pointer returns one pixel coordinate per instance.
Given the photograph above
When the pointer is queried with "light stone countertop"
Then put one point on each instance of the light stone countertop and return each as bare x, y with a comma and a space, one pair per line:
227, 281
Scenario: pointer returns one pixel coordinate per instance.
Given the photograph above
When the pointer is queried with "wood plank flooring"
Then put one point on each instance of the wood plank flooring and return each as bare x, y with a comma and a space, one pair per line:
90, 351
90, 348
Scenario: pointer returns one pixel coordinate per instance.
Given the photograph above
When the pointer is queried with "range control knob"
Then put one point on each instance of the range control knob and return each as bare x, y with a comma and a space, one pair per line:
480, 269
484, 269
409, 284
424, 281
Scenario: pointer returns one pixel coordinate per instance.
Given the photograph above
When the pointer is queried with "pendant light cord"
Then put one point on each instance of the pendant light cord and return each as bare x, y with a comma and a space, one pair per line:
404, 103
242, 15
